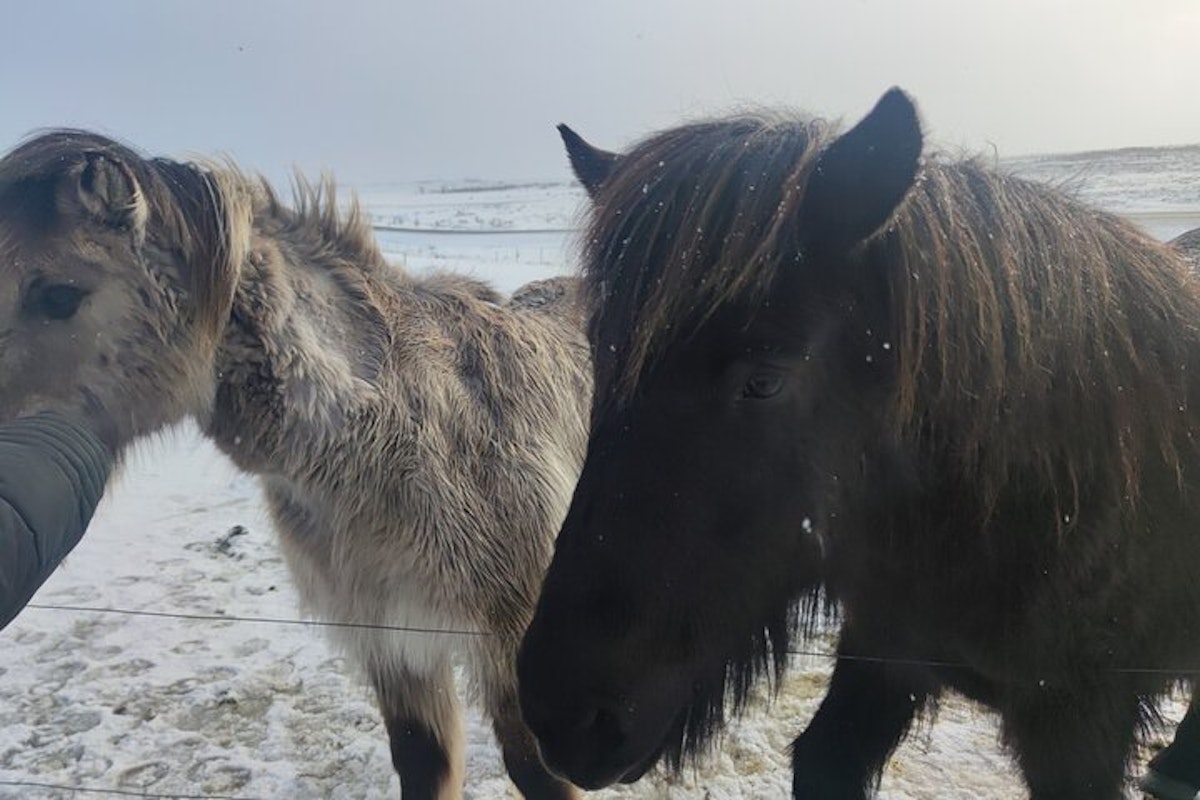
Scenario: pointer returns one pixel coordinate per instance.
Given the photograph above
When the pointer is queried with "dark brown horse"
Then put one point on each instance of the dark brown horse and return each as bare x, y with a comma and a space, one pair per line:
956, 403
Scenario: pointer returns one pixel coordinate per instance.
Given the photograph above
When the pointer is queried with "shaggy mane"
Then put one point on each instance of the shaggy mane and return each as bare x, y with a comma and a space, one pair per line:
197, 201
1024, 322
1031, 334
315, 216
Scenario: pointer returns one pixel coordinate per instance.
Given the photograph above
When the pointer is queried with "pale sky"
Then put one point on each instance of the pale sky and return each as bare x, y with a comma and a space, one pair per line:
386, 91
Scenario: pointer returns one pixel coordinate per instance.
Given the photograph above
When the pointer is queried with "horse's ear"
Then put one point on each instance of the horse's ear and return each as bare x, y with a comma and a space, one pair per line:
105, 190
591, 165
863, 175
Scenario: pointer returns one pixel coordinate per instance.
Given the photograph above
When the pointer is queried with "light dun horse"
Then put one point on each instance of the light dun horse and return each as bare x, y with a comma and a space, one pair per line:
962, 404
418, 438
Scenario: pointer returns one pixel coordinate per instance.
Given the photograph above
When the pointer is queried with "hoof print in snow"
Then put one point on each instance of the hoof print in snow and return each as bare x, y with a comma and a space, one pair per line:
225, 545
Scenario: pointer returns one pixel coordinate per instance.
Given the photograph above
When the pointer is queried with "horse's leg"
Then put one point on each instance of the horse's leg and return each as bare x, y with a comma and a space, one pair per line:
1073, 742
1175, 770
866, 712
497, 676
424, 725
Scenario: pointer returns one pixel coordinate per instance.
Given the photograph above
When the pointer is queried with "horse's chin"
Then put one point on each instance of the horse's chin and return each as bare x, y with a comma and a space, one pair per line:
679, 712
634, 775
676, 746
595, 776
593, 770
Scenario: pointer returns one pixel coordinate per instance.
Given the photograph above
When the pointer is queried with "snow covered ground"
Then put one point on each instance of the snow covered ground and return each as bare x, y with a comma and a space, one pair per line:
205, 685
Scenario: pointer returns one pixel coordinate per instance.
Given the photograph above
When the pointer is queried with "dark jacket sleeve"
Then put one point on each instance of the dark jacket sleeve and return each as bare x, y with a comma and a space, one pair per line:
52, 476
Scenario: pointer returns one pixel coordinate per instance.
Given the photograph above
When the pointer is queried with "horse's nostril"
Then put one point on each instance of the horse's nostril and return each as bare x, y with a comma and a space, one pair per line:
607, 730
593, 730
584, 723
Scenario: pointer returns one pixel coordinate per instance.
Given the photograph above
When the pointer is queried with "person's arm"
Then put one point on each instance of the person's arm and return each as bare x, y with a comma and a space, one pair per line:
52, 476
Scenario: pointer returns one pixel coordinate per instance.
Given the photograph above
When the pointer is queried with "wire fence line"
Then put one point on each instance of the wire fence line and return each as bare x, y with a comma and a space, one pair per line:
421, 631
148, 795
259, 620
94, 790
75, 790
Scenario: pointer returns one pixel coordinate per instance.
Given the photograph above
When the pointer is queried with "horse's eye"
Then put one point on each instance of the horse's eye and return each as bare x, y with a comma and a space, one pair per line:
762, 385
55, 300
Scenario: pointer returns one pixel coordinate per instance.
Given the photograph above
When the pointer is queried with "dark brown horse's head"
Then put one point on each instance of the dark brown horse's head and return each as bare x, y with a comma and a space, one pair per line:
739, 354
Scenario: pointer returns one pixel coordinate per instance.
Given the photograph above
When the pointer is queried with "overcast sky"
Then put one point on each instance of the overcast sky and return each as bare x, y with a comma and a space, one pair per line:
384, 91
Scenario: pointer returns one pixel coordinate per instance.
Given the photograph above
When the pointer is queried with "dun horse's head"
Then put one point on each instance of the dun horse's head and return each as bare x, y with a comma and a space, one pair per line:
116, 277
738, 361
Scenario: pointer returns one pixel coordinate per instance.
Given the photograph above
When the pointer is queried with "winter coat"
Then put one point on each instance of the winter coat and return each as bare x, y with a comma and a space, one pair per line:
52, 476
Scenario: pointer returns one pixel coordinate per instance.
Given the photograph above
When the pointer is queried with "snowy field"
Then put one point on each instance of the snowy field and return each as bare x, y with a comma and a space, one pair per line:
200, 682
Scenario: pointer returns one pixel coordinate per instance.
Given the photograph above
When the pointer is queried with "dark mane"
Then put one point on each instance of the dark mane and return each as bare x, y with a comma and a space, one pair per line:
982, 317
730, 185
1008, 294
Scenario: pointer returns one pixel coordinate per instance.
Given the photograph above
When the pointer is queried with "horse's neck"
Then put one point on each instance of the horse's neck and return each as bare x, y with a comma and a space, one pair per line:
302, 349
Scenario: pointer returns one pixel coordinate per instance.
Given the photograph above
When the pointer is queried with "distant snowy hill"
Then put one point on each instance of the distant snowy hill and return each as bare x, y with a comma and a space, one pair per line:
1129, 179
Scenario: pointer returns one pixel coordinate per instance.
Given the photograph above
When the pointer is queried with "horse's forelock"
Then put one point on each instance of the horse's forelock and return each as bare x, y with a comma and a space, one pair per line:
693, 219
50, 154
31, 174
191, 209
